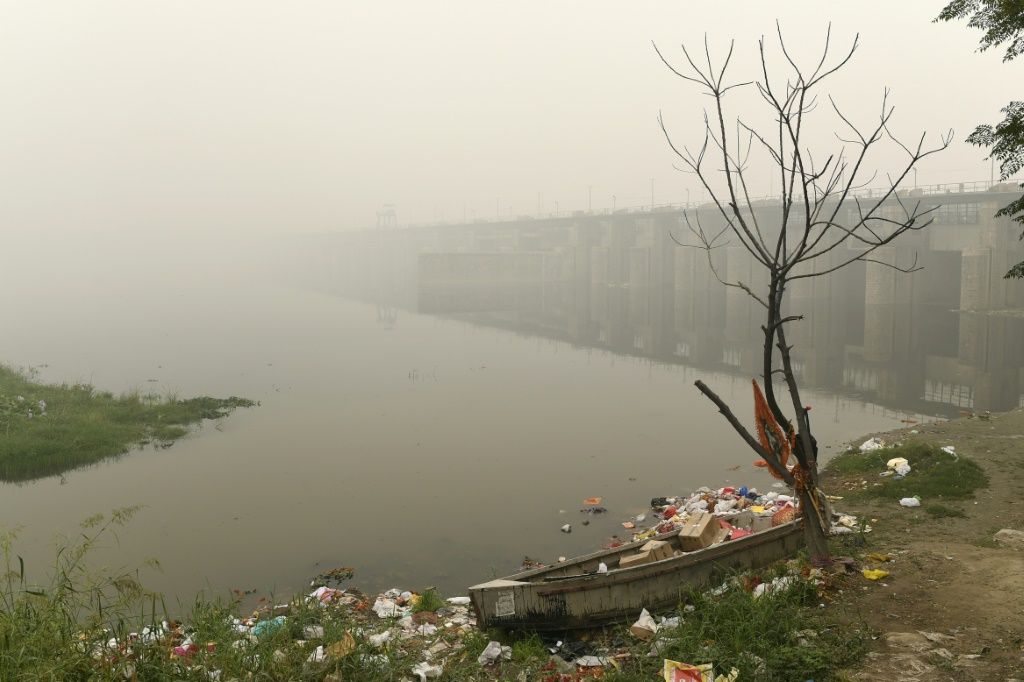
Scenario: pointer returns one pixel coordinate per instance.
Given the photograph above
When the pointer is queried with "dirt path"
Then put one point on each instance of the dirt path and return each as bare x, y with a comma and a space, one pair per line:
953, 606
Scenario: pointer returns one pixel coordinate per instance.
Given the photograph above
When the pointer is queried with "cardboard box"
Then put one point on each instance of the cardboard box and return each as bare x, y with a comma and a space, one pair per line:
742, 520
635, 560
698, 532
659, 549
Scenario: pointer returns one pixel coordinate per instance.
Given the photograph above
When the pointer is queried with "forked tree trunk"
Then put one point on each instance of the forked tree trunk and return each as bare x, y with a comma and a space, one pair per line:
815, 536
816, 526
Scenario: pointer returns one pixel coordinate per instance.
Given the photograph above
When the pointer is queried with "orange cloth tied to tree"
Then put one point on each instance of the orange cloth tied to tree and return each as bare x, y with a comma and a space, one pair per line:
769, 432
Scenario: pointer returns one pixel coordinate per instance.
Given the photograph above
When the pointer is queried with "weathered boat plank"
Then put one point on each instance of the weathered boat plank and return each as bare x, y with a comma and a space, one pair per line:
571, 595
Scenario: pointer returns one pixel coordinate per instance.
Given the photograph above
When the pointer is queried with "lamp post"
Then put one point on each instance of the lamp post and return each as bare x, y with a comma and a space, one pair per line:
613, 203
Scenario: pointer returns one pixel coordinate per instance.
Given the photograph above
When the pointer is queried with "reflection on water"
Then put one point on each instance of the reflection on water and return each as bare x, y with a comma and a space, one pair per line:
421, 450
946, 338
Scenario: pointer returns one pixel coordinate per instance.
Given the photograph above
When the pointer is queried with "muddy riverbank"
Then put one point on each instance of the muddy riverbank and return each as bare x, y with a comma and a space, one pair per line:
950, 578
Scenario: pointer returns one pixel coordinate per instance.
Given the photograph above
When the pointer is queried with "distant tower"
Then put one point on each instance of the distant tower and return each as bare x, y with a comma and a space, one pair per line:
387, 216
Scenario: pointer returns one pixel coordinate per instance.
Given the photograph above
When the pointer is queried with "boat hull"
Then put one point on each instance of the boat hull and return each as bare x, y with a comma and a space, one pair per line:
571, 596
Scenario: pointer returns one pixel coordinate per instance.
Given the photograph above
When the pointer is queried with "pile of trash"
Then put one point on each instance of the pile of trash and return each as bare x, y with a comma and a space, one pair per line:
743, 508
738, 512
734, 513
844, 524
373, 627
378, 632
329, 626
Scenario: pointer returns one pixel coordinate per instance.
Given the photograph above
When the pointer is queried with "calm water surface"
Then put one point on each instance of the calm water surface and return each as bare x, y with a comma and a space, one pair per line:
424, 452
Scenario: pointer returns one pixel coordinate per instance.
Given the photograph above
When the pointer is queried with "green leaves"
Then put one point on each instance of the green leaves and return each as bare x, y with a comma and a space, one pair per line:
1006, 139
1001, 20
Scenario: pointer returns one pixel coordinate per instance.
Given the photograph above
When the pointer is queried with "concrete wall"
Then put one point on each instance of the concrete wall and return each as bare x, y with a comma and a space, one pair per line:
621, 281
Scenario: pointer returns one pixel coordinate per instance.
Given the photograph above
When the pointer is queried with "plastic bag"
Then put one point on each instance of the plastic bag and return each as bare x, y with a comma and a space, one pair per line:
900, 465
380, 639
493, 652
674, 671
872, 444
386, 608
644, 627
424, 670
268, 627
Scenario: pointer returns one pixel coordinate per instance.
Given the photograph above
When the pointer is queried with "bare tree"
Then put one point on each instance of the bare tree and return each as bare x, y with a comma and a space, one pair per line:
826, 224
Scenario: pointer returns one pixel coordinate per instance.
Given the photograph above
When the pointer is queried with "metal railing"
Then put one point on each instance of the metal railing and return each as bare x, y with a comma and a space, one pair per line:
767, 200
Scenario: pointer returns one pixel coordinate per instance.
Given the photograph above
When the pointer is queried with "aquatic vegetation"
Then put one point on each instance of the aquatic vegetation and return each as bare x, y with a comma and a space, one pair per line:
49, 429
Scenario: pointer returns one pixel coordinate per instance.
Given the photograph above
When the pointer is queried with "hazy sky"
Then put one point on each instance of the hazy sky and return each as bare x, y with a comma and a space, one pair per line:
297, 116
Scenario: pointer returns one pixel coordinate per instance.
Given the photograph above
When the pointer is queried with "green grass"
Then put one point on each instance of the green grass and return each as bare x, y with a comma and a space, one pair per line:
428, 601
82, 426
942, 511
934, 475
58, 629
759, 637
529, 650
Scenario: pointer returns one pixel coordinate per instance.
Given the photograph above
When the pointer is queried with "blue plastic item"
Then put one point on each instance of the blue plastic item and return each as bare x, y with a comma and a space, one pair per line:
268, 627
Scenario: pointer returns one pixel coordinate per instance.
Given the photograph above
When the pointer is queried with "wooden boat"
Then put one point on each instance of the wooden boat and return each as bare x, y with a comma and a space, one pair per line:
573, 595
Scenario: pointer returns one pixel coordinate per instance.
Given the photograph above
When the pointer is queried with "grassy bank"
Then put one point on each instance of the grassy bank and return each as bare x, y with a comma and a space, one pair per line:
48, 429
76, 623
937, 477
949, 605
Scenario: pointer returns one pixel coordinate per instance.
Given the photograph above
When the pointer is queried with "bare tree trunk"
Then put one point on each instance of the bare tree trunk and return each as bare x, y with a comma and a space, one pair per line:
815, 536
774, 315
816, 518
817, 523
822, 217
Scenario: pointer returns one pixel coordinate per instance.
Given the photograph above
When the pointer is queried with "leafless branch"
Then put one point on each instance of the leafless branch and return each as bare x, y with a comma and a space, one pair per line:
766, 455
821, 210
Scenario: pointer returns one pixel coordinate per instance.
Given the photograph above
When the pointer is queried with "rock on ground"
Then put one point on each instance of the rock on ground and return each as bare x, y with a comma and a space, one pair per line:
1013, 539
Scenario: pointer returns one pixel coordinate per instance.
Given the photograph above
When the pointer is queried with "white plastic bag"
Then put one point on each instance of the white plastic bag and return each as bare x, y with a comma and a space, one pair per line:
493, 652
900, 465
872, 444
379, 640
386, 608
424, 670
644, 627
910, 502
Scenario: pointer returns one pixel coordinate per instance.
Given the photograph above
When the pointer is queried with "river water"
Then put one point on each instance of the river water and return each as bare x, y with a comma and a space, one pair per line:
421, 451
